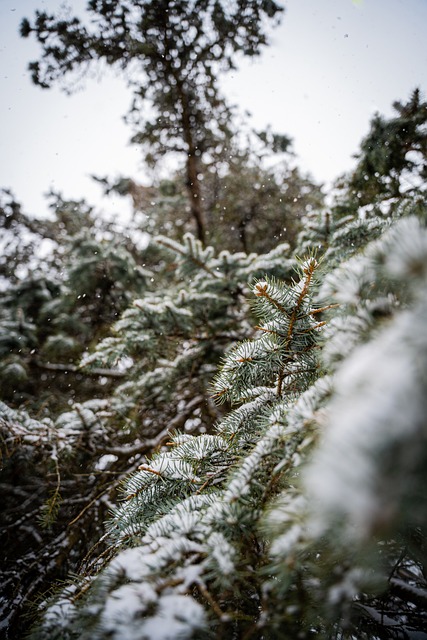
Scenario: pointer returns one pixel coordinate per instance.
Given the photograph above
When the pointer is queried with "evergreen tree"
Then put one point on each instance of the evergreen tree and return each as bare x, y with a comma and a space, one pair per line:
95, 416
175, 49
282, 497
287, 520
65, 280
392, 163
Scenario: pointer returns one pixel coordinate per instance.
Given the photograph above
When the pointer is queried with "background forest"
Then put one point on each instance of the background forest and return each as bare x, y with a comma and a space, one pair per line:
213, 416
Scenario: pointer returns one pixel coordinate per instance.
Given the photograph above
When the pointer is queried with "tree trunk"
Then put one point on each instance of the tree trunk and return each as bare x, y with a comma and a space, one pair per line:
193, 186
192, 166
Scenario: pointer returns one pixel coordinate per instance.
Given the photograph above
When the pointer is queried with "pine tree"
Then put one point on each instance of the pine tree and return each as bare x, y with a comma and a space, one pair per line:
55, 475
177, 505
95, 416
65, 279
287, 519
175, 49
392, 162
282, 497
171, 340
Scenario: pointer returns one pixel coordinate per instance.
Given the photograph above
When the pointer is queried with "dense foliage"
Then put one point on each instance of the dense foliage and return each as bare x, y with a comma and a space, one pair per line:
250, 205
279, 495
102, 383
223, 439
300, 512
392, 163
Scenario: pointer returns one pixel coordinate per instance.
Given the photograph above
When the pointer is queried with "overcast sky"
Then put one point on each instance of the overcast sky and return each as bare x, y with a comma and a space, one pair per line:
331, 65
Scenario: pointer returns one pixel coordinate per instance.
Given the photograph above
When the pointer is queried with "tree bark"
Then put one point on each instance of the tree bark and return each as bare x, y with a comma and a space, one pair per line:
192, 165
193, 186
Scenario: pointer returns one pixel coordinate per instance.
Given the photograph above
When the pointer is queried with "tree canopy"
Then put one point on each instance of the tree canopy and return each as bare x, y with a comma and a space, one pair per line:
250, 495
202, 441
393, 158
250, 205
172, 52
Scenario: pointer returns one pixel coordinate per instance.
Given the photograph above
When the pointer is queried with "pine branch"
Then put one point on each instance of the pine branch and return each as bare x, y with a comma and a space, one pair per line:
95, 372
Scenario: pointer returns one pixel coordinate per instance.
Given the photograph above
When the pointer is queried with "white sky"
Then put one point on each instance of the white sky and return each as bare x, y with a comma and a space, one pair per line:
332, 64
